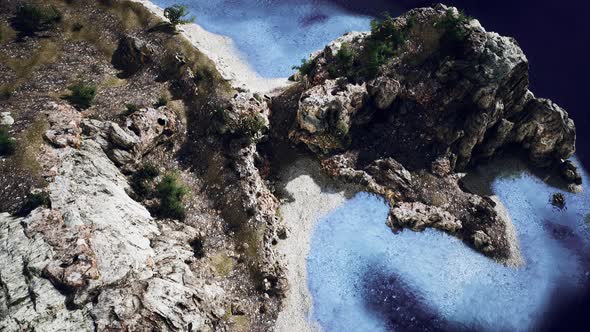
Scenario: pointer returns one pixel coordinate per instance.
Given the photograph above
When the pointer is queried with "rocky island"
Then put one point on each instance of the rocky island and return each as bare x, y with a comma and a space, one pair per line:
140, 187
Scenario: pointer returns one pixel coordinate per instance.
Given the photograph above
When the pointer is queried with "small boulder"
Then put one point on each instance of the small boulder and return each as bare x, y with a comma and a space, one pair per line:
131, 55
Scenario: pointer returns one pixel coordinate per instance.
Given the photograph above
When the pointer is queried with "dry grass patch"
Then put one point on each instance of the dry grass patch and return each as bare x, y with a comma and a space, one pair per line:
48, 52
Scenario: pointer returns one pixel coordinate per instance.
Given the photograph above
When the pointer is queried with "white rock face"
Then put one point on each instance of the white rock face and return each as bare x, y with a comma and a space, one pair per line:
89, 190
27, 300
98, 252
6, 119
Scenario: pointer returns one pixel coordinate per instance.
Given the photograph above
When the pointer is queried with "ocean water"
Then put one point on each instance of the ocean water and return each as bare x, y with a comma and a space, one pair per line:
274, 35
362, 277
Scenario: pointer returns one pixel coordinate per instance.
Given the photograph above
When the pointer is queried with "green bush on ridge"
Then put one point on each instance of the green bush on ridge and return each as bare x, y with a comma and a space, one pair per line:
82, 95
30, 19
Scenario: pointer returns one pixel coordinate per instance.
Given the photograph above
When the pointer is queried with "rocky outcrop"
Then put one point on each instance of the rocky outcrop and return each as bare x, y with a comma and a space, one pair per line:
142, 131
131, 55
97, 260
423, 96
450, 88
64, 123
421, 199
248, 204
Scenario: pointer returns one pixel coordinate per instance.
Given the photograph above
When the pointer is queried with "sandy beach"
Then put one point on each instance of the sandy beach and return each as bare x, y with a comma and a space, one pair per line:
313, 195
228, 59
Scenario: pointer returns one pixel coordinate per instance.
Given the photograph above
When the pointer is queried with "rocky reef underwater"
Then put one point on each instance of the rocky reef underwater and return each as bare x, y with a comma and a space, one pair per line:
139, 189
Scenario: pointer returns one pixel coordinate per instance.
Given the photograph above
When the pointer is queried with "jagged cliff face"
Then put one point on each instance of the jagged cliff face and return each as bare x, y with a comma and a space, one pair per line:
424, 95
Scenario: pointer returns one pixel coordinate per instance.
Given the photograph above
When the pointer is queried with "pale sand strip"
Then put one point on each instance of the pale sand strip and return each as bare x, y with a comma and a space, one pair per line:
228, 59
313, 196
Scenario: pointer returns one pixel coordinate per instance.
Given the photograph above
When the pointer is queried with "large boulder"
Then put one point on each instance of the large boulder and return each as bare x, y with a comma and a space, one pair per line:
131, 55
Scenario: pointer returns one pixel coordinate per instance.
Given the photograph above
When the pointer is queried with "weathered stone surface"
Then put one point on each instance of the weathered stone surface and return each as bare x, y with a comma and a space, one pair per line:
6, 119
418, 216
28, 300
383, 90
143, 130
545, 131
64, 125
131, 55
97, 260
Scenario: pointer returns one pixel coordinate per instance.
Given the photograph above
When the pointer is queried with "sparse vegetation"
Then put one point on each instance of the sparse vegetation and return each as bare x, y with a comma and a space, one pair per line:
171, 191
385, 39
455, 25
142, 179
198, 247
131, 108
305, 67
34, 201
7, 143
31, 19
177, 14
345, 62
82, 95
162, 101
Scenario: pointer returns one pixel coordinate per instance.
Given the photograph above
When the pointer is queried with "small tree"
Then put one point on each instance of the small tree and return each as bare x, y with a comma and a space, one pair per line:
171, 192
176, 14
82, 95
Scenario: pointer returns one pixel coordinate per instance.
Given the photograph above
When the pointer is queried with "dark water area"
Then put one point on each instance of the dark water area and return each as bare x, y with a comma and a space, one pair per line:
554, 35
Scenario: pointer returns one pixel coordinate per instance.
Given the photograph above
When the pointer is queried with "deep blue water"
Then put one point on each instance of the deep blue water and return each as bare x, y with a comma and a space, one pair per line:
362, 277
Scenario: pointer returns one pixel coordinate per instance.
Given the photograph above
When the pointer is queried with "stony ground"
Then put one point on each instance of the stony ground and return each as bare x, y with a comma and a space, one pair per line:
200, 253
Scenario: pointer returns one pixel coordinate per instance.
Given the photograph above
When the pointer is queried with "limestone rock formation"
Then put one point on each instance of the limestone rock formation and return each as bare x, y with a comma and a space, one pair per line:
450, 88
425, 95
142, 131
97, 259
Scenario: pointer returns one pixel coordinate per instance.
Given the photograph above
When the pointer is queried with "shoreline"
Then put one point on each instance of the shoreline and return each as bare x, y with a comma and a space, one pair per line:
229, 61
313, 195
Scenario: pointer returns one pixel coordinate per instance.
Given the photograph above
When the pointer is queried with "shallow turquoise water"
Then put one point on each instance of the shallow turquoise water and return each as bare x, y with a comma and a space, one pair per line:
362, 277
274, 35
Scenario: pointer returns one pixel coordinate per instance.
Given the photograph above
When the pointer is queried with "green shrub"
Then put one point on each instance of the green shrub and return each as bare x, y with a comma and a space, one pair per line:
198, 247
82, 95
176, 14
132, 108
30, 19
249, 125
170, 191
454, 26
34, 201
141, 180
77, 27
345, 63
162, 101
588, 218
7, 143
385, 39
203, 74
305, 67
